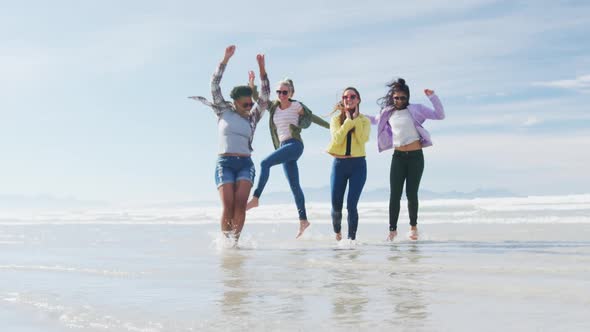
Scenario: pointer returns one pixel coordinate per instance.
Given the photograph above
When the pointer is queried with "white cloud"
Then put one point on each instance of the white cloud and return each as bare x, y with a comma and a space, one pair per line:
522, 163
311, 16
436, 44
110, 49
517, 151
465, 56
466, 49
22, 65
531, 121
580, 83
526, 113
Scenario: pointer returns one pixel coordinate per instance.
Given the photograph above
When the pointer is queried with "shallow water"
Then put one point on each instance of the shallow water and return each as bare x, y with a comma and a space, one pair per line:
98, 277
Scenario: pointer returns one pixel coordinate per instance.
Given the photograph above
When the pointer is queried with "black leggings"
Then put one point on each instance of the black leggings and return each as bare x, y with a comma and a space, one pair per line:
405, 167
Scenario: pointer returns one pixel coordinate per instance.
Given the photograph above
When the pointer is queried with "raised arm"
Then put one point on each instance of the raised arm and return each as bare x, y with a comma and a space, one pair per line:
251, 78
263, 99
438, 113
216, 79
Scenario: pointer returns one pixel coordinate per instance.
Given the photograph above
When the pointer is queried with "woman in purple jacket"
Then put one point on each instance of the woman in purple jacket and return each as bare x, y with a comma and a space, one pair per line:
399, 126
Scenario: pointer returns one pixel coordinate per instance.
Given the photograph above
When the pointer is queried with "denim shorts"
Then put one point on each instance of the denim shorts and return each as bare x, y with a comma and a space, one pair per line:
231, 169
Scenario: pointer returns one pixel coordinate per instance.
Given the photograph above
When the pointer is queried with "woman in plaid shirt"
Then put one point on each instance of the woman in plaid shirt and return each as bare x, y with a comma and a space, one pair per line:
236, 124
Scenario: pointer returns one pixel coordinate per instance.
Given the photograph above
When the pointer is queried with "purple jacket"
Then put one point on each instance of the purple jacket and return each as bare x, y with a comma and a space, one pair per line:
418, 112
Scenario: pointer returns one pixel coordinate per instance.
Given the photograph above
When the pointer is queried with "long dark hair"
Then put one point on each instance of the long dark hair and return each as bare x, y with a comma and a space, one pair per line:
398, 85
340, 105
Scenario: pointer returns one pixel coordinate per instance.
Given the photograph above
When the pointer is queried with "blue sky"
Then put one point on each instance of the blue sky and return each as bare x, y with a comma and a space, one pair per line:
93, 94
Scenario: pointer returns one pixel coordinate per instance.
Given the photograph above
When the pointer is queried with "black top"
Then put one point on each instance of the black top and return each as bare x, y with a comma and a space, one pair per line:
348, 143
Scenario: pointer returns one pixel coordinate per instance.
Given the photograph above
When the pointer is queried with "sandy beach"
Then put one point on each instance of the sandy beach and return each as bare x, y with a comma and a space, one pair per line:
157, 276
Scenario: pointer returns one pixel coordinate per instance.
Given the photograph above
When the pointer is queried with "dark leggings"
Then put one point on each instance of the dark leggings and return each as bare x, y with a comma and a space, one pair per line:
405, 167
354, 172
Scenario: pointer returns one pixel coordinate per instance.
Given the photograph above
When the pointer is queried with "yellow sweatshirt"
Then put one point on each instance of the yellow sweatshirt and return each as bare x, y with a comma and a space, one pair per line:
339, 131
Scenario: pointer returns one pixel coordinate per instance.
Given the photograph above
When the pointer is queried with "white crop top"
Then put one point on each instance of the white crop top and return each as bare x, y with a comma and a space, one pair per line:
404, 130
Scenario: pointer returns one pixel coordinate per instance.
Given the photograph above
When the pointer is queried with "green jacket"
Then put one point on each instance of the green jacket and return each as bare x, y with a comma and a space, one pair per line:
305, 121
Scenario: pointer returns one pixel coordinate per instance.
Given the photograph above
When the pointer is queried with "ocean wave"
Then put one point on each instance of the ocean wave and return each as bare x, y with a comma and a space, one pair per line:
535, 209
78, 317
66, 269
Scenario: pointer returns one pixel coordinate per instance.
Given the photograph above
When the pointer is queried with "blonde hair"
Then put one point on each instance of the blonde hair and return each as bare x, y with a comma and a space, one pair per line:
289, 83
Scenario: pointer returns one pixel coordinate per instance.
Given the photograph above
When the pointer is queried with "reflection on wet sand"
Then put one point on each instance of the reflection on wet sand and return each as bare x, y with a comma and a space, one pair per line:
251, 292
406, 288
235, 288
292, 297
348, 294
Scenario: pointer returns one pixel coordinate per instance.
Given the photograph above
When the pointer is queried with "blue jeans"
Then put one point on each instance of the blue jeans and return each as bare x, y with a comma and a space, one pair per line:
287, 154
231, 169
354, 172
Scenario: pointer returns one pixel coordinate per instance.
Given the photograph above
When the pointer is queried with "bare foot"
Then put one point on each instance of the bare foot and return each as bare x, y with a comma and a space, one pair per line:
236, 239
252, 204
413, 234
392, 235
338, 236
231, 239
303, 224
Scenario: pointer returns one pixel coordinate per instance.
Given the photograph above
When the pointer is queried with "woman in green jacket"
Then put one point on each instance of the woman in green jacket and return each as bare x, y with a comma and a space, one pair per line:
287, 118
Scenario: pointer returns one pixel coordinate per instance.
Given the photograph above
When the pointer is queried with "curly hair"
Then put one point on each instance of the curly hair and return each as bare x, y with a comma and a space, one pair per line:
398, 85
240, 91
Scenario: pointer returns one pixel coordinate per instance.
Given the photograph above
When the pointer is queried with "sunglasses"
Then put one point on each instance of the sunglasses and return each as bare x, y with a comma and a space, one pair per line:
283, 92
402, 98
353, 97
247, 105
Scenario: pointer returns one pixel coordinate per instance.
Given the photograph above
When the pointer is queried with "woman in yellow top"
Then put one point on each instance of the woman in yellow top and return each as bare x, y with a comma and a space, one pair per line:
350, 131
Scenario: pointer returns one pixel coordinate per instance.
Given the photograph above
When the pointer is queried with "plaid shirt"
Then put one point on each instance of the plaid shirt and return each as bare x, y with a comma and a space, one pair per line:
220, 105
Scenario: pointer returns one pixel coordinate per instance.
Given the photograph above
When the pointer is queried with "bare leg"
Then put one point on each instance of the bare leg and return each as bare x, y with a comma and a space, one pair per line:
226, 193
338, 236
252, 203
242, 191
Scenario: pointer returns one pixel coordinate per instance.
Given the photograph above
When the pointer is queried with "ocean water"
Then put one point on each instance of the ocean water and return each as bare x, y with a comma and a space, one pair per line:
488, 264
